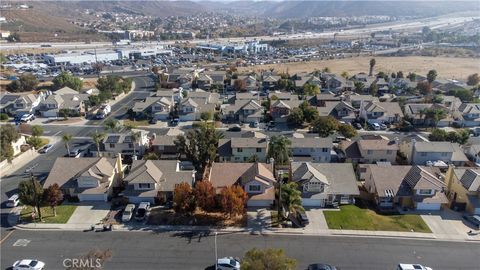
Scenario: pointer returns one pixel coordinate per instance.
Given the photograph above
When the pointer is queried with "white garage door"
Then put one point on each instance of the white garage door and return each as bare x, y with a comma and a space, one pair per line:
313, 202
428, 206
259, 203
92, 197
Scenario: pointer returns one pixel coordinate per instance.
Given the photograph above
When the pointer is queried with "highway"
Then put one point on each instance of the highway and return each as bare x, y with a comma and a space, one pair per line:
166, 250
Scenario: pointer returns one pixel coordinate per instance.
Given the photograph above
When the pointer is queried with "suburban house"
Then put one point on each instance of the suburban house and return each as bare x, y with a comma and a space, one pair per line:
25, 104
381, 112
417, 187
155, 180
181, 78
336, 84
378, 149
473, 152
251, 83
123, 143
341, 110
357, 100
197, 102
242, 149
73, 104
88, 178
468, 114
280, 109
209, 79
419, 153
464, 189
270, 82
158, 107
324, 184
244, 111
311, 149
164, 145
256, 179
300, 80
17, 145
416, 112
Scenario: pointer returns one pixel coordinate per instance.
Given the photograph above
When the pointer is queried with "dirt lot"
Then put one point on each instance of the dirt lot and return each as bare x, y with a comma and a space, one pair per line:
169, 217
447, 68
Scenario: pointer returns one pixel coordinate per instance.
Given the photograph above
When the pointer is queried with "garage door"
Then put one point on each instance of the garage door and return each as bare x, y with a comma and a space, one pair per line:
313, 202
428, 206
92, 197
259, 203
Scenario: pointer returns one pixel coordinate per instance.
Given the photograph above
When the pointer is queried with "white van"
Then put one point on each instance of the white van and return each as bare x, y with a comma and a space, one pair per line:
13, 201
406, 266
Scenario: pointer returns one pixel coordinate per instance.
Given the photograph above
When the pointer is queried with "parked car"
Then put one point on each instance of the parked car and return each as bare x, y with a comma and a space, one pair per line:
174, 122
338, 139
302, 217
13, 201
254, 124
46, 148
27, 117
228, 263
321, 266
152, 121
474, 220
383, 127
357, 126
235, 128
405, 266
74, 153
128, 212
142, 211
28, 264
375, 126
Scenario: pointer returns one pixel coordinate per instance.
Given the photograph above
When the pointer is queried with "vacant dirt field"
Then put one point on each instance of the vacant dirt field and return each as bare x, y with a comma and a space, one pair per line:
447, 68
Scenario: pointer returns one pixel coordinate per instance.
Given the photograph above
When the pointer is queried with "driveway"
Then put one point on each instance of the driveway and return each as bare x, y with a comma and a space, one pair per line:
317, 222
89, 213
447, 223
258, 220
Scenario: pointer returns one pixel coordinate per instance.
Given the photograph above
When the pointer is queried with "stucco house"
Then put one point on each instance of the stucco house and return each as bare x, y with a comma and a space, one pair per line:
314, 149
419, 153
241, 149
123, 143
370, 150
464, 189
381, 112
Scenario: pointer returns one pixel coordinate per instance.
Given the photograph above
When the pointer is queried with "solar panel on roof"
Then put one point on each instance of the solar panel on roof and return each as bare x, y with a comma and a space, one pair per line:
113, 139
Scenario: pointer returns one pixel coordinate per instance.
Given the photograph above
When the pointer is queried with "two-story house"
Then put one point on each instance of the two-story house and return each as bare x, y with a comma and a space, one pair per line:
197, 102
325, 184
159, 106
256, 179
251, 82
123, 143
154, 181
473, 152
464, 189
314, 149
243, 111
468, 114
379, 149
270, 82
381, 112
25, 104
74, 104
280, 109
419, 153
240, 149
417, 187
417, 112
88, 178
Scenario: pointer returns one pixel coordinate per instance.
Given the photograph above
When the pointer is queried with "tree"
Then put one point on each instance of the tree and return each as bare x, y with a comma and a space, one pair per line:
151, 156
279, 149
112, 125
37, 131
434, 115
204, 193
310, 113
183, 199
30, 192
440, 135
412, 76
473, 79
393, 75
112, 85
14, 37
97, 139
271, 259
431, 76
8, 134
373, 89
26, 82
232, 200
424, 87
66, 79
464, 95
325, 125
295, 118
205, 116
347, 130
310, 89
67, 138
359, 86
239, 85
54, 196
199, 145
344, 74
326, 69
372, 65
291, 198
135, 135
400, 74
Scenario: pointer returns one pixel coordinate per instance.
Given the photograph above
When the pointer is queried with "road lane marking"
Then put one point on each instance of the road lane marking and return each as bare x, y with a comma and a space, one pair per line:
21, 243
5, 238
56, 134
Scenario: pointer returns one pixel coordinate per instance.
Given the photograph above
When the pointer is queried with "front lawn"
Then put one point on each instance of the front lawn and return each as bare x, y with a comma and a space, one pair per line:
64, 212
351, 217
135, 123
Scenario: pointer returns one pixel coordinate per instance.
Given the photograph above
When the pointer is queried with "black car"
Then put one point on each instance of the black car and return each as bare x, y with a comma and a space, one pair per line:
152, 121
302, 217
474, 220
174, 122
321, 266
235, 128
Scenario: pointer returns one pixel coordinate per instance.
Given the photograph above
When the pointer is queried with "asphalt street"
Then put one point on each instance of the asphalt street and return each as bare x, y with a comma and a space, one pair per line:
151, 250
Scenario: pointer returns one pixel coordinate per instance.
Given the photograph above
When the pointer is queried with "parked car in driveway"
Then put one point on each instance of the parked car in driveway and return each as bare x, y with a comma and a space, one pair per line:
74, 153
46, 148
321, 266
302, 216
235, 128
142, 211
13, 201
27, 118
28, 264
128, 212
474, 220
228, 263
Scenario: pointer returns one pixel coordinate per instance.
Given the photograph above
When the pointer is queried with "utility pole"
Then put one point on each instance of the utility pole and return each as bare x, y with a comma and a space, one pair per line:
216, 255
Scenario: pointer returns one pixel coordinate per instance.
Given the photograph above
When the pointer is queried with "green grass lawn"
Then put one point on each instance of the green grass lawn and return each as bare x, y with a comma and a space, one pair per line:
351, 217
64, 212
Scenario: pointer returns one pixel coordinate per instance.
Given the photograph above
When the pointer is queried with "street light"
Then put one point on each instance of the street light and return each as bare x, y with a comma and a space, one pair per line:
216, 256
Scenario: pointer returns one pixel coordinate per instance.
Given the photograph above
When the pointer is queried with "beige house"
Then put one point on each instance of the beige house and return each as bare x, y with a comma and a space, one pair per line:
242, 149
378, 149
89, 179
463, 184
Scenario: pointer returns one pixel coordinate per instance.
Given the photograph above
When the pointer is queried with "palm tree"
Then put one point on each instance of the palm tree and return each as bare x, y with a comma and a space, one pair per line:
97, 138
66, 138
112, 125
135, 135
291, 198
372, 65
279, 149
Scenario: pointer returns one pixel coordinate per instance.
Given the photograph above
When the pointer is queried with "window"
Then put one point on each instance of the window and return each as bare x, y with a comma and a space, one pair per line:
423, 154
259, 150
424, 192
444, 154
112, 145
389, 152
130, 145
239, 150
313, 187
144, 185
254, 188
324, 150
369, 152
